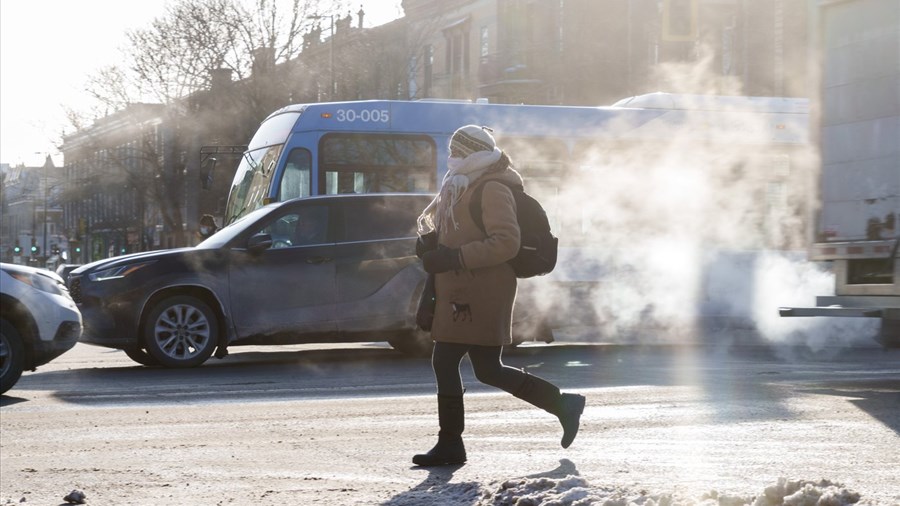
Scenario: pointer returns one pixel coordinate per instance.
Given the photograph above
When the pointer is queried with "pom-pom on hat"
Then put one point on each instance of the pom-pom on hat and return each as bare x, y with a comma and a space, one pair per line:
469, 139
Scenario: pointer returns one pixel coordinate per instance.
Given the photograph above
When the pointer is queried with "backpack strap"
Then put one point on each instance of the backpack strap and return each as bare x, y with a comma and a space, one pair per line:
475, 203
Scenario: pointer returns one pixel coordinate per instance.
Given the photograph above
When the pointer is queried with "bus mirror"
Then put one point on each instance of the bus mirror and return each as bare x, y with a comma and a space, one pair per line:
207, 169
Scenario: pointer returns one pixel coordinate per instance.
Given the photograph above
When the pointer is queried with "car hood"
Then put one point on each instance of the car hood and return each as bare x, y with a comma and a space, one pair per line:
32, 270
131, 258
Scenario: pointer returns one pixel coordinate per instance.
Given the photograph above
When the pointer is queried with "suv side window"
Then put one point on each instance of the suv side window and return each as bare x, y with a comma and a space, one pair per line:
374, 219
305, 226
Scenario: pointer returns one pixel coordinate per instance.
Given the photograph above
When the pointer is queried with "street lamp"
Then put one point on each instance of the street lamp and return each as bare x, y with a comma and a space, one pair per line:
331, 93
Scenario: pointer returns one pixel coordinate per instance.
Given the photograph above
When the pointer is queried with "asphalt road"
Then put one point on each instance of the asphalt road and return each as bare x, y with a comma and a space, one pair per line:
339, 424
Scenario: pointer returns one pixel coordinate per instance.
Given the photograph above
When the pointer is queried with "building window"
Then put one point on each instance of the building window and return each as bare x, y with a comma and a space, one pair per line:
560, 27
411, 74
680, 20
457, 37
429, 69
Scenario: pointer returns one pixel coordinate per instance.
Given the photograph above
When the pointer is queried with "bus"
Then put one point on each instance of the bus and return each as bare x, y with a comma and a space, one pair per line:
655, 199
402, 146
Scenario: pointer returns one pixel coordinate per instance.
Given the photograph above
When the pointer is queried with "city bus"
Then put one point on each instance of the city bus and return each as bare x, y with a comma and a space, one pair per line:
656, 199
402, 146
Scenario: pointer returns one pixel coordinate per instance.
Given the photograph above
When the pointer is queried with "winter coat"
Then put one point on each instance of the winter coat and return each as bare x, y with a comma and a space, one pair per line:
475, 305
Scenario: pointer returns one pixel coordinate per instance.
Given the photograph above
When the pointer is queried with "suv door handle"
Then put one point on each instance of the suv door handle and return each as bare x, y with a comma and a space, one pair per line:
318, 260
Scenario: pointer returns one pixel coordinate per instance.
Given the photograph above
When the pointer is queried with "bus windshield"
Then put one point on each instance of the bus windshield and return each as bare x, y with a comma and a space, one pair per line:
251, 179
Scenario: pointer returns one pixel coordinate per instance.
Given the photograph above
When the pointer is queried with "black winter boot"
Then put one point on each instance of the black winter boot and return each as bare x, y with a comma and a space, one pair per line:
566, 407
449, 448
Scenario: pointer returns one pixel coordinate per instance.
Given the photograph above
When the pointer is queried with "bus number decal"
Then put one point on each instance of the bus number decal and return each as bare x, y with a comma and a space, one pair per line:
365, 115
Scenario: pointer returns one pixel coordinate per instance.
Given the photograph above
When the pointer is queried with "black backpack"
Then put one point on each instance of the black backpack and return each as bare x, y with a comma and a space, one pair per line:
538, 246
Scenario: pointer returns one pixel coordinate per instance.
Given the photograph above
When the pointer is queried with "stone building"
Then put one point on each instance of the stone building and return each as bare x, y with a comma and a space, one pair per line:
595, 52
140, 178
31, 214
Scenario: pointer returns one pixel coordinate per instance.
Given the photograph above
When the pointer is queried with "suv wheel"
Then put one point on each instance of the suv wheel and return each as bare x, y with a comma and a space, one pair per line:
181, 331
12, 355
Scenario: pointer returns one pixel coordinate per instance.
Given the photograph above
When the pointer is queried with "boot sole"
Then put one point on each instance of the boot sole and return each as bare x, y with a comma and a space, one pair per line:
424, 462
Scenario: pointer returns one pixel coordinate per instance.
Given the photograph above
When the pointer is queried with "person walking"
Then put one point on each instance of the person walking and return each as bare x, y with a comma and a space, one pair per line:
475, 291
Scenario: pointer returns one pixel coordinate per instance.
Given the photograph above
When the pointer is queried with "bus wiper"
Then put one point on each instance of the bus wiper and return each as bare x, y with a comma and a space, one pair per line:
236, 215
253, 165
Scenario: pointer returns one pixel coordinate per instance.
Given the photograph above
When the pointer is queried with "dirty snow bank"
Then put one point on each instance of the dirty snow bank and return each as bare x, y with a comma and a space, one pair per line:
575, 491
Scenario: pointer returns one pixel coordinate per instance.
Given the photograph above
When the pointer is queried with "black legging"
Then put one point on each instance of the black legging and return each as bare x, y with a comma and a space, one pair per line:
486, 364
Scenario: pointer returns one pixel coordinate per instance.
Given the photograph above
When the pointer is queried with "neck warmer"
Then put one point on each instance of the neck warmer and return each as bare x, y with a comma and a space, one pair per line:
460, 173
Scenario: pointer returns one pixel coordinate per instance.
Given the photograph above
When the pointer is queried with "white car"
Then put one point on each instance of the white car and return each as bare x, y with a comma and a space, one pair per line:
39, 321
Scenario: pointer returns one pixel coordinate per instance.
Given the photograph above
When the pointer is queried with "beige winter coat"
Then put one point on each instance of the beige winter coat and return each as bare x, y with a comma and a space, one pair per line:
475, 305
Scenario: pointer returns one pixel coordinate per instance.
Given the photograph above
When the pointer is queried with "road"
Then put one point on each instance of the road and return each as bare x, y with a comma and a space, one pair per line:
339, 424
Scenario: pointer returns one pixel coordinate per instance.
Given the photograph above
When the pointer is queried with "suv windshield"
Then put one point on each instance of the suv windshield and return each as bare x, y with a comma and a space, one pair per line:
230, 231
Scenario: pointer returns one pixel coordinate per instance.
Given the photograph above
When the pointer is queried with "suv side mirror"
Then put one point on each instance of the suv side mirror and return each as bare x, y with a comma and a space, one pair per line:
259, 243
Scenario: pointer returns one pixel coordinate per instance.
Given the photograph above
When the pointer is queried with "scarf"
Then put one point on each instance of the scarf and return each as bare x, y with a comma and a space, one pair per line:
460, 173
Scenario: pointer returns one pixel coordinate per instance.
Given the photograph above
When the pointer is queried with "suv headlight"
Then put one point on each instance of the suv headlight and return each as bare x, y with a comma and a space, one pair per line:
39, 281
120, 271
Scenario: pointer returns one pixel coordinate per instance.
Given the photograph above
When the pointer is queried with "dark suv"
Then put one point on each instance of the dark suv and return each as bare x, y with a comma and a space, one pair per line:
337, 268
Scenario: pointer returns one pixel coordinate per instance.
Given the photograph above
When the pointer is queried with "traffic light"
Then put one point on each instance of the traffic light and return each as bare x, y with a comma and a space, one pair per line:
17, 250
34, 248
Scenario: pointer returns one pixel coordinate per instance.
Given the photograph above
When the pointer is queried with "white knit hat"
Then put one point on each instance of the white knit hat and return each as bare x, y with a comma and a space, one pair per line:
469, 139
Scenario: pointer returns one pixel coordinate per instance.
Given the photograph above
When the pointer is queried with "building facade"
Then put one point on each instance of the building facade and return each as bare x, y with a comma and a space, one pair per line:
109, 168
595, 52
139, 179
31, 215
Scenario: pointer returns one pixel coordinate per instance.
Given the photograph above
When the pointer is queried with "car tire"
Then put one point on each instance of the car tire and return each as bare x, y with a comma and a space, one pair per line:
12, 355
181, 331
415, 343
141, 356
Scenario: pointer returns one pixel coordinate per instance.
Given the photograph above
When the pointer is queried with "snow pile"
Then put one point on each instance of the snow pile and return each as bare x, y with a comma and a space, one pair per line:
575, 491
806, 493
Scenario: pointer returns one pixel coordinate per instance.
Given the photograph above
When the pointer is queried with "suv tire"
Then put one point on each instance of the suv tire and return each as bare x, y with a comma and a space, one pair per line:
12, 355
181, 331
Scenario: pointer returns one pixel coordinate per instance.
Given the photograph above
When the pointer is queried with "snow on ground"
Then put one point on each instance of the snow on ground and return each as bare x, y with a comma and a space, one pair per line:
575, 491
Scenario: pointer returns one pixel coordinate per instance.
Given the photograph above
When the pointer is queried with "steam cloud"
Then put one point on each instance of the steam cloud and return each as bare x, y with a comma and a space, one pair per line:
690, 239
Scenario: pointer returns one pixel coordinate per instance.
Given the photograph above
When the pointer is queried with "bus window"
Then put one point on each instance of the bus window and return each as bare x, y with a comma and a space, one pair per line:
376, 163
295, 182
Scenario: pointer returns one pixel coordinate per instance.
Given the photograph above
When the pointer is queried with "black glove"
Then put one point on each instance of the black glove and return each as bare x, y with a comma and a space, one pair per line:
440, 260
426, 243
425, 311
